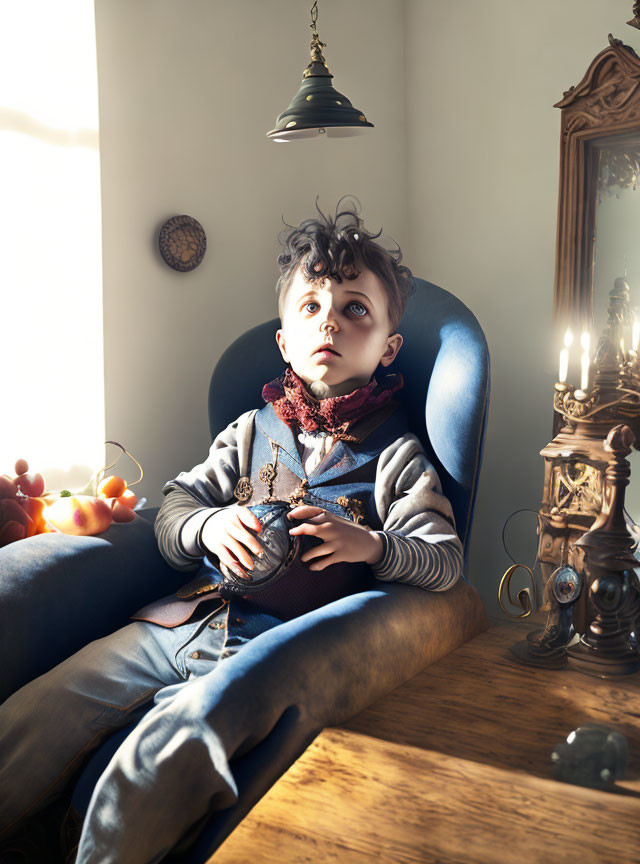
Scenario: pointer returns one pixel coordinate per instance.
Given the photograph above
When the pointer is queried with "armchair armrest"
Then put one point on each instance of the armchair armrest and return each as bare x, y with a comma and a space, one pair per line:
255, 715
320, 670
59, 592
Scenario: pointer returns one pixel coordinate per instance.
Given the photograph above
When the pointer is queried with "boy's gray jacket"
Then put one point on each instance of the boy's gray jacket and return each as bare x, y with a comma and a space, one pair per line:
414, 519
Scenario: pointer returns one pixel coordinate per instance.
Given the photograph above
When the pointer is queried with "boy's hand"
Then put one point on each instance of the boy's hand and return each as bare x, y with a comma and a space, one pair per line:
225, 534
342, 540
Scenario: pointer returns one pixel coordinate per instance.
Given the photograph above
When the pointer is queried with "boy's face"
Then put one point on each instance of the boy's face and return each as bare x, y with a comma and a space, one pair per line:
335, 335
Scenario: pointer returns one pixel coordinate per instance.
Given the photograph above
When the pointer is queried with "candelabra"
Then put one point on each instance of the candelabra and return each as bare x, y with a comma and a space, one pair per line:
578, 489
615, 396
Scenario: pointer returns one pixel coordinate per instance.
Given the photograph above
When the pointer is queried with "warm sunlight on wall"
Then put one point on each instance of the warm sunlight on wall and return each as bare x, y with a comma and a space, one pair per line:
51, 357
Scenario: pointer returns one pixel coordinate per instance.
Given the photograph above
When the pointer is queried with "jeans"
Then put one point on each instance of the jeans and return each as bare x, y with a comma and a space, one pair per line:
52, 723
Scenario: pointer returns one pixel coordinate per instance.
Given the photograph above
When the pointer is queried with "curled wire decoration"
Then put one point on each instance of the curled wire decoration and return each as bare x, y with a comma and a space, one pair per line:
523, 599
527, 598
101, 473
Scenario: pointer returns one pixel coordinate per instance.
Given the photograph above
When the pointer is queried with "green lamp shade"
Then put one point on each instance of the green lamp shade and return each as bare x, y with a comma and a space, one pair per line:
318, 109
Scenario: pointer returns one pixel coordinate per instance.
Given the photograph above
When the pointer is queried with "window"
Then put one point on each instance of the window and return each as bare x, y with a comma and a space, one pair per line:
51, 343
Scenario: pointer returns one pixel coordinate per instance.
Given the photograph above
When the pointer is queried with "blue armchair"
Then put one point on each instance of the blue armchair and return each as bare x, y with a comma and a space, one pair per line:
59, 592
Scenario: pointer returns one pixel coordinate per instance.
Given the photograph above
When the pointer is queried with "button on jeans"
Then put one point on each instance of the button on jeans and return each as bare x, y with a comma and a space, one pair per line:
50, 725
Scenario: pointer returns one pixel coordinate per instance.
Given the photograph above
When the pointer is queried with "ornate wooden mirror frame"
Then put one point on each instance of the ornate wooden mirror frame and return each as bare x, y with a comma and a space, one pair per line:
599, 157
601, 115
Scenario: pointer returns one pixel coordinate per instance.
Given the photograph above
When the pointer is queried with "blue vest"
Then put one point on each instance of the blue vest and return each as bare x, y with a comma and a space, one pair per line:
347, 472
343, 483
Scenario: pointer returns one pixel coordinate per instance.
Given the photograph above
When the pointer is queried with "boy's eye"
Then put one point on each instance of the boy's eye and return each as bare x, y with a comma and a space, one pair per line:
357, 309
311, 306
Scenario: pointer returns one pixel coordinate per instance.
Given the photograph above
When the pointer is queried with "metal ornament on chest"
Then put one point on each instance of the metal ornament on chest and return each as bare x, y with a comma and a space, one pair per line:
354, 508
243, 490
267, 475
269, 471
299, 493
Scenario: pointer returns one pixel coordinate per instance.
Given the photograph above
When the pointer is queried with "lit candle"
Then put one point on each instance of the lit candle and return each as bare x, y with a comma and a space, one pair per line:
585, 341
636, 332
564, 356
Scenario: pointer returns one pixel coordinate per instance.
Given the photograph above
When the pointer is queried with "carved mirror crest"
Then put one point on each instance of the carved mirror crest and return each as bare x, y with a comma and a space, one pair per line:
599, 160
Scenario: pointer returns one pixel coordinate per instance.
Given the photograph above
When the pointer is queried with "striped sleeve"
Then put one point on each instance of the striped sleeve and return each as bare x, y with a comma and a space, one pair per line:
419, 539
177, 507
207, 487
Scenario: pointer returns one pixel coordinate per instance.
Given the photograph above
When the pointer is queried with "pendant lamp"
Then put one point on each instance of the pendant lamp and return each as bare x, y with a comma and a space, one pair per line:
318, 109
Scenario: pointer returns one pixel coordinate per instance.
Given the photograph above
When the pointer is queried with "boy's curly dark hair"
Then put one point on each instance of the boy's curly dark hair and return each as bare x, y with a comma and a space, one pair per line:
340, 248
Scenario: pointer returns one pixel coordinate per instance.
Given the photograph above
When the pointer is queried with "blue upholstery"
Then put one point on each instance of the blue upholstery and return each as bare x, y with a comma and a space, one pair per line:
58, 592
445, 363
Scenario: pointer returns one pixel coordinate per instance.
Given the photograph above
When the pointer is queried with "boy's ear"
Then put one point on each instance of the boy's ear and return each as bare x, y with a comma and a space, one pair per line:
281, 345
394, 343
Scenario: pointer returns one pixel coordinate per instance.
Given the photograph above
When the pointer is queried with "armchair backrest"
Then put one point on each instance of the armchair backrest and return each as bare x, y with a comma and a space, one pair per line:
445, 364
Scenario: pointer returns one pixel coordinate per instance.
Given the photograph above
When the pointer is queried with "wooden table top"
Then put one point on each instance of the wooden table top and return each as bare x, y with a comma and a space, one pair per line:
454, 767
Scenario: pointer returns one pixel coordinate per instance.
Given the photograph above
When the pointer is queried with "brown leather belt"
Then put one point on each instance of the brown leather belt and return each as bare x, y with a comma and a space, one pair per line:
179, 607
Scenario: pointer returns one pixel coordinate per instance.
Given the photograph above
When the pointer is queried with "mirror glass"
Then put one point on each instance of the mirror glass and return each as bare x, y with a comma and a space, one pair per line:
617, 246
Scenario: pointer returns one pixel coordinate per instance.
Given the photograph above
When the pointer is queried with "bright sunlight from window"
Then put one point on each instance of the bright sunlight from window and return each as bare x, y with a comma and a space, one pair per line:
52, 382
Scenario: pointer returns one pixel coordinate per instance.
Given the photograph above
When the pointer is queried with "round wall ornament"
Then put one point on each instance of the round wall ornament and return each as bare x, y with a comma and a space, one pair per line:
182, 243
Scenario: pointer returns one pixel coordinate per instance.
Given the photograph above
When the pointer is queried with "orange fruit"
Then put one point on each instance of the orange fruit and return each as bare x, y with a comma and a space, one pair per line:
34, 508
128, 498
111, 487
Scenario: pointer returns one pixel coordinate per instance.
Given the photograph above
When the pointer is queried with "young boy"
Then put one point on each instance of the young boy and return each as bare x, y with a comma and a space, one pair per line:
333, 445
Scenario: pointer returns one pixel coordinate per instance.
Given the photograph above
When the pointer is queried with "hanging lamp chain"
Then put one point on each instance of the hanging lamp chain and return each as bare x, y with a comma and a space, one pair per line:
316, 44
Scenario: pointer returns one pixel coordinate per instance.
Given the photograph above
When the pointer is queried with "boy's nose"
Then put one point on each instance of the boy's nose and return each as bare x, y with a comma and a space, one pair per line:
329, 325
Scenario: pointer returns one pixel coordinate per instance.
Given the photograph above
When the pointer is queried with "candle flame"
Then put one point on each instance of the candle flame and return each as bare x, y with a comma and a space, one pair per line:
585, 340
568, 338
584, 372
564, 365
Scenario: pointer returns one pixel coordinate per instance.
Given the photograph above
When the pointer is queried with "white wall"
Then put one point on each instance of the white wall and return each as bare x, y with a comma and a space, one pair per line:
187, 92
483, 155
461, 169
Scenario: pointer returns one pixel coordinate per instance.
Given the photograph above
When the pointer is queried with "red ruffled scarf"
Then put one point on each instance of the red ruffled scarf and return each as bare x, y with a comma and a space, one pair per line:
293, 404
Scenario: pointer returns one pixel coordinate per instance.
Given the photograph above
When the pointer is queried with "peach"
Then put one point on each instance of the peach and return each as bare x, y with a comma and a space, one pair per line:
79, 514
